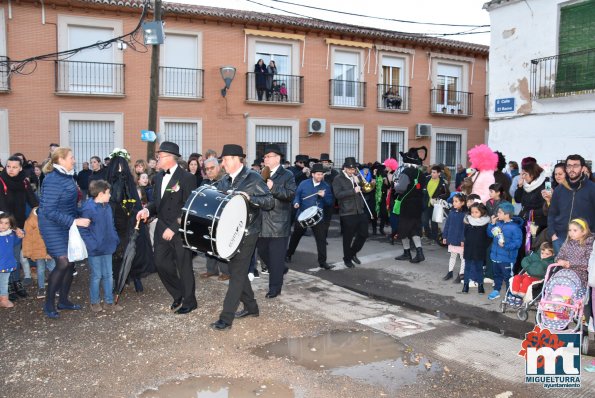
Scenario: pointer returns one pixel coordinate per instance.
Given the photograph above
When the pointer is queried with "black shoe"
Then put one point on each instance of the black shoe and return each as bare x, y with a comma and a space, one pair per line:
356, 260
20, 289
270, 295
480, 288
405, 256
12, 294
244, 313
326, 266
465, 288
447, 276
176, 304
220, 325
288, 259
459, 278
285, 270
419, 256
348, 263
186, 310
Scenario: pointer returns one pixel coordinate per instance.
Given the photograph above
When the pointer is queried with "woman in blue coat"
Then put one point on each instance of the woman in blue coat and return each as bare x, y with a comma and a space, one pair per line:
57, 212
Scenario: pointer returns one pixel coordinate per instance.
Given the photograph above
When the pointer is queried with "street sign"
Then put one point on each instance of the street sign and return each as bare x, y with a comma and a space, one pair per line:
504, 105
148, 135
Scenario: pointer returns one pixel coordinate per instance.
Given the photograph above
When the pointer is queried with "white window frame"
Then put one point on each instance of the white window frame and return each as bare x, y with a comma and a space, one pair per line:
295, 52
198, 122
4, 135
251, 124
117, 118
199, 55
64, 21
406, 57
451, 131
361, 54
2, 33
405, 132
360, 127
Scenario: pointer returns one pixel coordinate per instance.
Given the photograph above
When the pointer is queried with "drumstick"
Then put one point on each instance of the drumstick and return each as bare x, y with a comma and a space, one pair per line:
309, 196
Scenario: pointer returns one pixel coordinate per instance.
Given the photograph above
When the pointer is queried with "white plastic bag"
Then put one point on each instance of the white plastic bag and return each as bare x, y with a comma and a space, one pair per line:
591, 280
77, 251
438, 213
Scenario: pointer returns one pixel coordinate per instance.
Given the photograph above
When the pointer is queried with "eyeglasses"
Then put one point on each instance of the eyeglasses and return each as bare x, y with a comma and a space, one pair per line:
209, 168
158, 156
573, 166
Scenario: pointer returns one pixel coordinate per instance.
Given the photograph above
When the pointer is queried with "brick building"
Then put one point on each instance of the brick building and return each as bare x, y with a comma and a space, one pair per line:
336, 77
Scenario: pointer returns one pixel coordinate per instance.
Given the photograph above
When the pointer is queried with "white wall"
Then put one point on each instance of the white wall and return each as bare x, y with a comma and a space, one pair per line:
548, 129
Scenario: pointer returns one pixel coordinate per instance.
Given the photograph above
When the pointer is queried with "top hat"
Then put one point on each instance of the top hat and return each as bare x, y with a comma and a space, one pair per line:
317, 168
232, 150
412, 155
169, 147
324, 157
273, 148
350, 163
301, 158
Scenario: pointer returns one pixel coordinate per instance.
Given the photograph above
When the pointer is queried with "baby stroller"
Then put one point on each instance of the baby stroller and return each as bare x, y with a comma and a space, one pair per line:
562, 304
522, 305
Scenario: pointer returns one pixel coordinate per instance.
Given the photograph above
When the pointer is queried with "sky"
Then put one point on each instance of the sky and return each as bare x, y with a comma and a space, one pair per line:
455, 12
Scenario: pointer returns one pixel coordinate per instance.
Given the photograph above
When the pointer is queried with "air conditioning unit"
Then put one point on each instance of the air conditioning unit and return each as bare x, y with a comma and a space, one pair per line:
423, 130
316, 126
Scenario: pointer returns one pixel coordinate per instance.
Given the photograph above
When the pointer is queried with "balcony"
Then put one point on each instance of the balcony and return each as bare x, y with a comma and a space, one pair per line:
274, 89
347, 94
181, 83
563, 75
4, 74
393, 98
89, 78
451, 103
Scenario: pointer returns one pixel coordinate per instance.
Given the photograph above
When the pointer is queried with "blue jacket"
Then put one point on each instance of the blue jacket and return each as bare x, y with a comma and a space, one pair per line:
100, 237
57, 211
7, 243
454, 228
580, 200
513, 239
306, 188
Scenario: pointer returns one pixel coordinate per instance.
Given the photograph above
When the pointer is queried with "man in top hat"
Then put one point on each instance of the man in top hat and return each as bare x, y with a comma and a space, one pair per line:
314, 192
299, 169
409, 188
250, 184
354, 216
276, 222
173, 186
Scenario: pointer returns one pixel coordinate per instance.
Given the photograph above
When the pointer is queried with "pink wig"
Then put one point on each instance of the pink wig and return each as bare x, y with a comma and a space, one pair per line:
483, 158
391, 164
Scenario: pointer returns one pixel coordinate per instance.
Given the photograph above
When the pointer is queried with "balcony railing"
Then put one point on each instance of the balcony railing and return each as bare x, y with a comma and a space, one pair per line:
393, 97
347, 93
454, 103
274, 88
4, 74
564, 74
181, 82
94, 78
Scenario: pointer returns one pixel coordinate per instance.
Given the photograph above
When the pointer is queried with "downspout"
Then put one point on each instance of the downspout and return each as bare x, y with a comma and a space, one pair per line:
42, 12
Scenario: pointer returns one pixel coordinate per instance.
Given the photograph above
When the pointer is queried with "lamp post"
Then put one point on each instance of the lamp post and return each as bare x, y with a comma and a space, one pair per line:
227, 73
154, 81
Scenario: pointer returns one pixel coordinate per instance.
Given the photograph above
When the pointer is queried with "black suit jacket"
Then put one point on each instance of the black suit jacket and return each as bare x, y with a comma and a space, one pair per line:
168, 209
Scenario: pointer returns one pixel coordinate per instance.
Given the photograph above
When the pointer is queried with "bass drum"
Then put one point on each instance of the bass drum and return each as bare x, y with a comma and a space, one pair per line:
214, 222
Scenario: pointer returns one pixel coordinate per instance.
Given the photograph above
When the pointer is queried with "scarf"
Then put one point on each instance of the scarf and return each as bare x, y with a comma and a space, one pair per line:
13, 184
63, 170
378, 193
476, 222
6, 233
536, 183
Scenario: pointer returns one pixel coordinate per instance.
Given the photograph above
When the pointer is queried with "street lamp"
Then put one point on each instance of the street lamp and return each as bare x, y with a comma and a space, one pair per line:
227, 73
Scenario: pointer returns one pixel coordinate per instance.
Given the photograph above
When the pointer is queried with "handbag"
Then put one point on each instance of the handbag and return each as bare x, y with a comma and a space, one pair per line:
438, 213
77, 251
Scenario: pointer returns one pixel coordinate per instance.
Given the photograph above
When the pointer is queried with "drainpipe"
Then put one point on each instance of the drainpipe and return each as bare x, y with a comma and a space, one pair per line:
42, 12
9, 9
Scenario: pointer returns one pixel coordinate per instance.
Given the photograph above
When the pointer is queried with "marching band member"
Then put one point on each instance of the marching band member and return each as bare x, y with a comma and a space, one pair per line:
313, 192
249, 183
354, 219
276, 222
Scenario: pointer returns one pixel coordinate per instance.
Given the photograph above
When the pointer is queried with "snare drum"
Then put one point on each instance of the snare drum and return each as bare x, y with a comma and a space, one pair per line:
310, 217
214, 222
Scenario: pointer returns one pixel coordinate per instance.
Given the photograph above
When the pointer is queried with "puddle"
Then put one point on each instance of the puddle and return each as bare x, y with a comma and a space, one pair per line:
217, 387
366, 356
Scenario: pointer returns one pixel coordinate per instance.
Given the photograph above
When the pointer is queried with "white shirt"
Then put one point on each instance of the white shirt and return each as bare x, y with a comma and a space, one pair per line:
235, 174
273, 171
167, 179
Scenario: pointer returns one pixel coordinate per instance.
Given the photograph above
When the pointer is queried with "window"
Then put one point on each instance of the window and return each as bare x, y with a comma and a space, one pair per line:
391, 143
186, 133
180, 73
4, 69
346, 142
4, 135
346, 90
448, 149
280, 53
263, 131
448, 83
91, 134
280, 135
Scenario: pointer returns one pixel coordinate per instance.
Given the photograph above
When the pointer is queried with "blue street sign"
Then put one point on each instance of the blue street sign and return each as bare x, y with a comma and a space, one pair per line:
505, 105
148, 135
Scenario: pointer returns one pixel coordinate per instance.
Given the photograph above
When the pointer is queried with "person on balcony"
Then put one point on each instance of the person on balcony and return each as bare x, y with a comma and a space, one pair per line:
260, 75
276, 91
283, 92
271, 72
392, 99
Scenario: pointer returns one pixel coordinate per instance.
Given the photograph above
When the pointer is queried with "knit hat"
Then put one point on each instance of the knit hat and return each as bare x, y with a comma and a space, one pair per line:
507, 208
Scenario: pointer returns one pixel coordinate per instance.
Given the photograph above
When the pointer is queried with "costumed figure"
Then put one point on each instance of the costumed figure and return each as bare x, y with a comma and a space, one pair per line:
380, 192
369, 188
409, 203
391, 176
484, 161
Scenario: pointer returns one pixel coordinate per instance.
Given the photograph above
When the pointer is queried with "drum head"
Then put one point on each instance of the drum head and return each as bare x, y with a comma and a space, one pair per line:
231, 227
308, 213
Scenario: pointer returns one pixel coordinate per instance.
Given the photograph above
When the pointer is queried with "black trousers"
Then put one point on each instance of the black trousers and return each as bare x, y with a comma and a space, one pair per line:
174, 266
355, 233
240, 289
319, 231
272, 251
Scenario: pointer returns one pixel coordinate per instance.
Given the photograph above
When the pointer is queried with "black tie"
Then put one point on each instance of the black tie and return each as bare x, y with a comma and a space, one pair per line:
166, 172
230, 179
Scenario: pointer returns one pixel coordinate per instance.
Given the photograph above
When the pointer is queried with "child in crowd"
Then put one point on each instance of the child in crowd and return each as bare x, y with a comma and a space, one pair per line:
535, 265
575, 252
10, 236
34, 249
453, 234
283, 92
476, 244
497, 196
145, 191
472, 199
101, 240
508, 238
